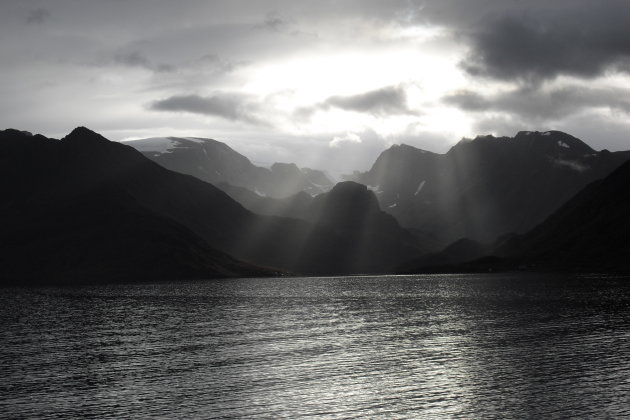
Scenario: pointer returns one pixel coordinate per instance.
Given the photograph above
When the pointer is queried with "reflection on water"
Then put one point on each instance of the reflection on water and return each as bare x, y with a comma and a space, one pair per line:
388, 347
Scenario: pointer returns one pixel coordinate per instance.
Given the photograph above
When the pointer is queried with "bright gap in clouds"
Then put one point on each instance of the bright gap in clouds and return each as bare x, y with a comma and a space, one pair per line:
307, 81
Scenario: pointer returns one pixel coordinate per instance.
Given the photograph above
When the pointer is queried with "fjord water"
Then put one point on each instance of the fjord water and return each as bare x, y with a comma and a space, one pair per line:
491, 346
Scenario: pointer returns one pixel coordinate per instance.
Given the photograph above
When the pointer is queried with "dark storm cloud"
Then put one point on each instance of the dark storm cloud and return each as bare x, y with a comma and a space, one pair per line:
389, 100
230, 106
543, 105
583, 39
38, 16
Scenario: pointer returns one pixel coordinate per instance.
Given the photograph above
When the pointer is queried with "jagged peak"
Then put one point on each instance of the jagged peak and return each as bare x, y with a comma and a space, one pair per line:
404, 146
555, 138
477, 138
84, 135
546, 139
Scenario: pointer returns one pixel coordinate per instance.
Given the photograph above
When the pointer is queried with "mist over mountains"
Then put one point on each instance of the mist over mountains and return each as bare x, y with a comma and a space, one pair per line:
216, 162
587, 234
85, 209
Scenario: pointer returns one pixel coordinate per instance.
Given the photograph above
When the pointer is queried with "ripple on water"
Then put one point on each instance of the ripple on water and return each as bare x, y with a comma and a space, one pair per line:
359, 347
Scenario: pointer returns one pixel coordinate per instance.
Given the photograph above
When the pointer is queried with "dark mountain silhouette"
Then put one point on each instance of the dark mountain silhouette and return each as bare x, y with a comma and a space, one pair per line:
375, 239
305, 207
588, 233
84, 206
64, 217
486, 187
215, 162
448, 259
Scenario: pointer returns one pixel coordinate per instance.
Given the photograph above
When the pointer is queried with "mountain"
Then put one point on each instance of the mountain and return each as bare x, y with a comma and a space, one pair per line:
86, 207
215, 162
448, 259
372, 239
295, 206
353, 210
589, 233
63, 223
486, 187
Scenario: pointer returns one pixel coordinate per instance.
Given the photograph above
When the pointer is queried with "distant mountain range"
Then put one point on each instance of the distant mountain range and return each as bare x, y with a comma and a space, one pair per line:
216, 162
486, 187
86, 209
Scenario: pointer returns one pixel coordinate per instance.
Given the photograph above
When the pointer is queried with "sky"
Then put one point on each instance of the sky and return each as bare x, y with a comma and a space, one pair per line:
327, 84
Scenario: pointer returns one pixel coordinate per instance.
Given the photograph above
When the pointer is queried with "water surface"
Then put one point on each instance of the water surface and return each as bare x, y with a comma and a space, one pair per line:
493, 346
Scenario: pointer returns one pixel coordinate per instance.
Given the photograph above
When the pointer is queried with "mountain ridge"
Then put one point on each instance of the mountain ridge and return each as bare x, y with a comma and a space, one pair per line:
61, 223
216, 162
139, 192
587, 234
488, 186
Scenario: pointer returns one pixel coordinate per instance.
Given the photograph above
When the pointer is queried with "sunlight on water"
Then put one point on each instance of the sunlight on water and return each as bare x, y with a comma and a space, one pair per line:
368, 347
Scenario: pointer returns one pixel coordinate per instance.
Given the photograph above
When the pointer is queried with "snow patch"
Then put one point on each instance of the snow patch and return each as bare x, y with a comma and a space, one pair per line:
259, 193
153, 144
563, 144
420, 187
376, 190
393, 205
161, 144
197, 140
546, 133
576, 166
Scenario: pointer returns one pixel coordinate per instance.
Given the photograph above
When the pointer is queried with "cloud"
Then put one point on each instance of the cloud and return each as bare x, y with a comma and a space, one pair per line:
583, 39
218, 65
136, 52
138, 60
231, 106
347, 138
275, 22
543, 104
38, 16
383, 102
